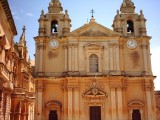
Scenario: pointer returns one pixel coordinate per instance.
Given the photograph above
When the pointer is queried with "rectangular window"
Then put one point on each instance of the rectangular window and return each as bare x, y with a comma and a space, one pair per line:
93, 63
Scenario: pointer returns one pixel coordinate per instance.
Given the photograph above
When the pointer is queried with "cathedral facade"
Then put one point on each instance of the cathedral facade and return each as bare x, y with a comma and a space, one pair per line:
93, 72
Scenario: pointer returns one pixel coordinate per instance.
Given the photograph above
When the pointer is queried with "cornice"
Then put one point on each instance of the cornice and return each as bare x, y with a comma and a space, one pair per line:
9, 17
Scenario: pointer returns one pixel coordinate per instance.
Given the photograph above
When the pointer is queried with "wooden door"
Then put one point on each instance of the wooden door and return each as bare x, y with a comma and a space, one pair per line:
136, 115
53, 115
95, 113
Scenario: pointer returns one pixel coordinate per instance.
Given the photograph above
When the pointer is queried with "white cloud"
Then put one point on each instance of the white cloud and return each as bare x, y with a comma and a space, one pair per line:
22, 11
29, 14
17, 17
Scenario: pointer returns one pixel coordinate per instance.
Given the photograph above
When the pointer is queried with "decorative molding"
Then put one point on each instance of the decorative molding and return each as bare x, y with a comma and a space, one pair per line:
73, 45
113, 45
54, 105
135, 104
148, 87
144, 46
118, 87
95, 94
41, 46
65, 46
70, 88
9, 17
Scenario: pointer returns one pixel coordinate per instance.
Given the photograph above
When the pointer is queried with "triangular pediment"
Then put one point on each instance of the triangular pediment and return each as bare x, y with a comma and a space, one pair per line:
93, 29
95, 92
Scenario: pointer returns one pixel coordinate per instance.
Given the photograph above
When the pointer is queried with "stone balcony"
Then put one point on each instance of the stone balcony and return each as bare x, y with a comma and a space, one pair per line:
4, 73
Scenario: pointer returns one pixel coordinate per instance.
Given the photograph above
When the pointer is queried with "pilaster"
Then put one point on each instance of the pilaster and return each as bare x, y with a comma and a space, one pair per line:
76, 57
149, 106
73, 58
70, 102
65, 57
117, 57
145, 60
120, 105
76, 103
40, 89
69, 57
111, 60
113, 102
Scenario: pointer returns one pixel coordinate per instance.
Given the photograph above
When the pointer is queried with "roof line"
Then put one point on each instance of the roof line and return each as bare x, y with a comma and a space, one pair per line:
9, 16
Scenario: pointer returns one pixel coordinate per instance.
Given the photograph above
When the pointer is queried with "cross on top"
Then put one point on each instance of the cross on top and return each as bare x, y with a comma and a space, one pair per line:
24, 28
92, 11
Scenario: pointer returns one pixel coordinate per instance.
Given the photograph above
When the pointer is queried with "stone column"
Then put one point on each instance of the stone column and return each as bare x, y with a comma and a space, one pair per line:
144, 47
107, 58
76, 58
40, 101
44, 58
113, 103
40, 59
70, 57
65, 101
120, 105
37, 58
73, 58
122, 56
111, 56
8, 106
149, 59
76, 102
149, 106
65, 58
117, 58
70, 102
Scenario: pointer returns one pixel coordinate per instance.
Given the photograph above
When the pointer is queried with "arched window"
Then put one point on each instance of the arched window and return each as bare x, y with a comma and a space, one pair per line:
54, 26
130, 26
93, 63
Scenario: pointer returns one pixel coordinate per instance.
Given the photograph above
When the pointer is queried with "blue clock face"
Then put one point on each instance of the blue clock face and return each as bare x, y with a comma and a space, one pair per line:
54, 44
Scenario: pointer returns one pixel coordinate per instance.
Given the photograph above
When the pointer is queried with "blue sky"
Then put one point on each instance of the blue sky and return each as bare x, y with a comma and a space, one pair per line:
27, 12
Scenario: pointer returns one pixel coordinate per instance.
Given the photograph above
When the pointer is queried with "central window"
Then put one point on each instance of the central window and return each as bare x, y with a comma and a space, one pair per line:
93, 63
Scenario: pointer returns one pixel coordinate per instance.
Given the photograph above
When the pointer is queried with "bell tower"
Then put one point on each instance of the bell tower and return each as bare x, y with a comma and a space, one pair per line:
53, 27
136, 42
55, 22
129, 23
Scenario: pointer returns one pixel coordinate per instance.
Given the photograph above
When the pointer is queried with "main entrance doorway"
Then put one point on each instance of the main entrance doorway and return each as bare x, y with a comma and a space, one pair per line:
95, 112
53, 115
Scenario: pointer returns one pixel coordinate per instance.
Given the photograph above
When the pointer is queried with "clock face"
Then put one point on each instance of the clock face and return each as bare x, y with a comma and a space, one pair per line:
54, 44
132, 43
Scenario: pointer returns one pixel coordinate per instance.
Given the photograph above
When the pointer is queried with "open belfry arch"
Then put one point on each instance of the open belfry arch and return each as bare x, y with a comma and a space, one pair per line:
93, 72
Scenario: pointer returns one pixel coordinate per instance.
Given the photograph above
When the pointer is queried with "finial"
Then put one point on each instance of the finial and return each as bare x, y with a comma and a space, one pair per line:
42, 12
66, 12
24, 28
117, 12
141, 12
92, 12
